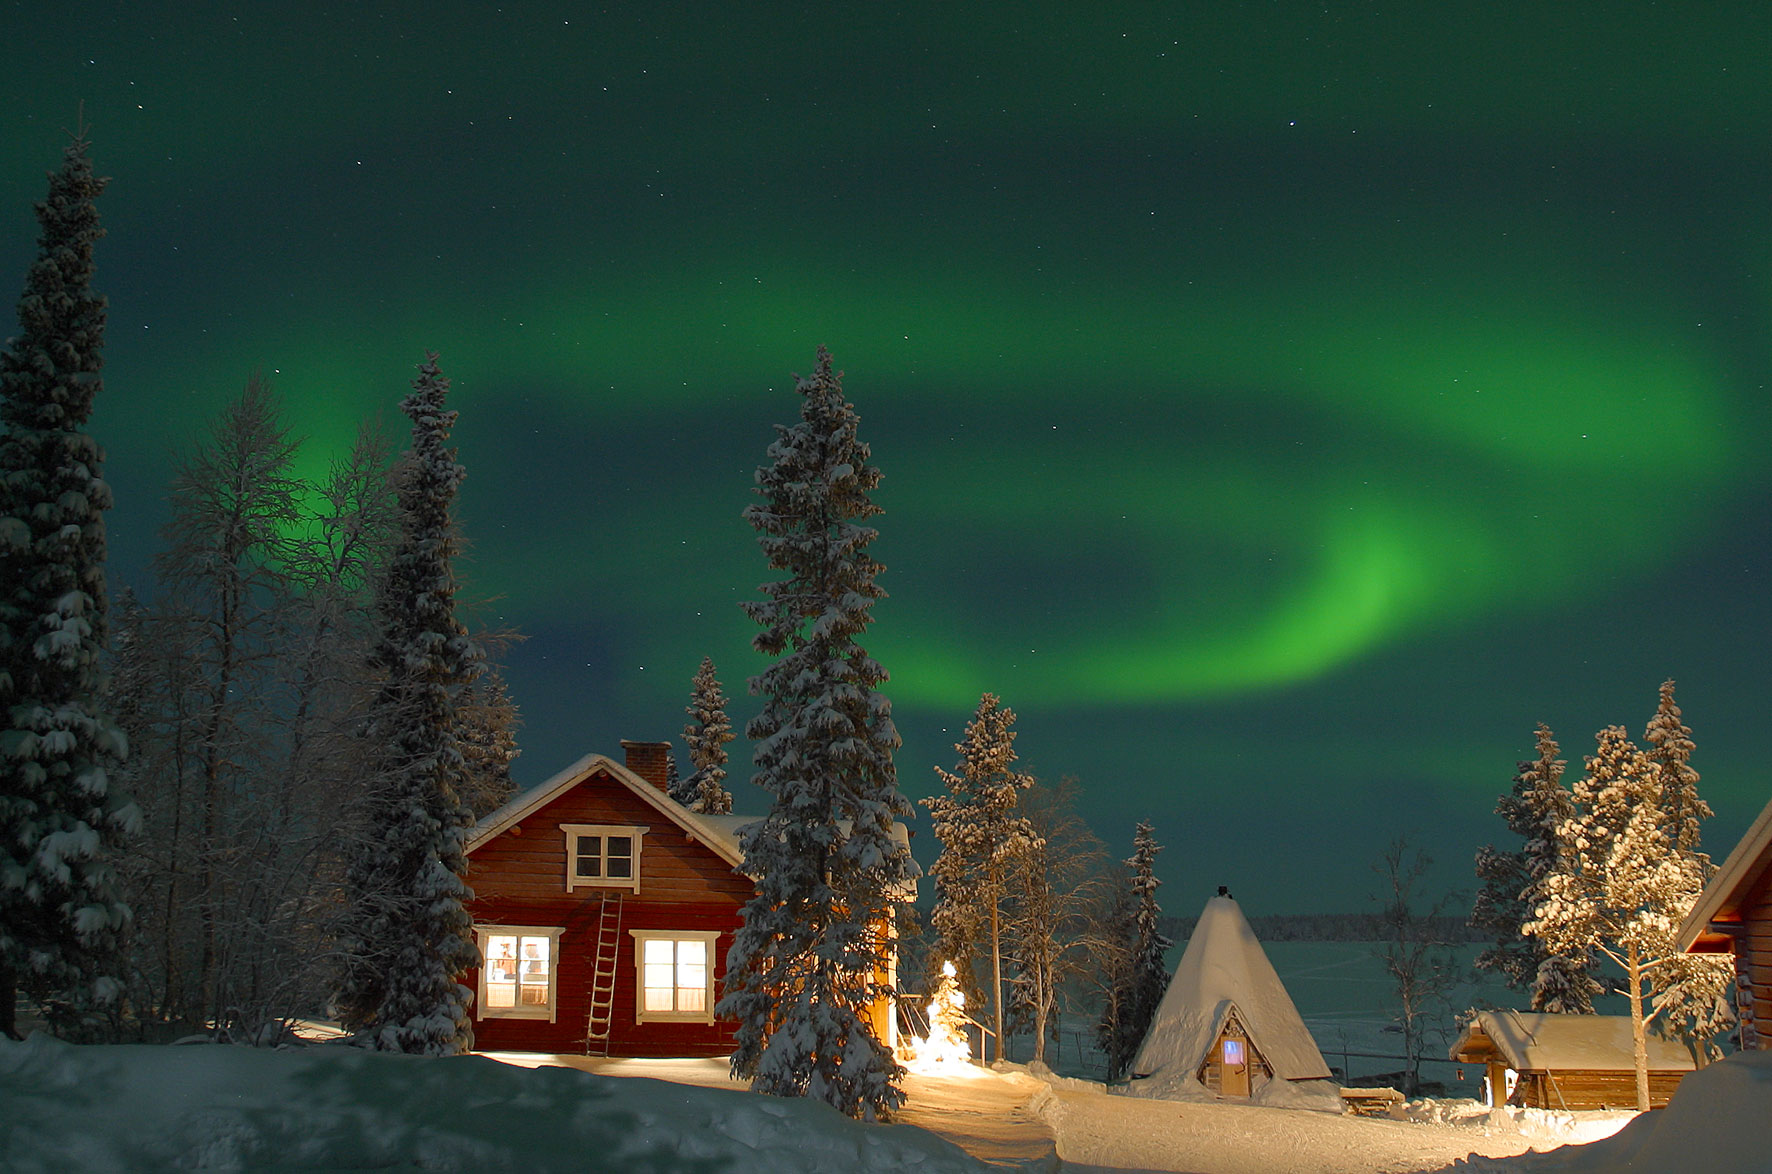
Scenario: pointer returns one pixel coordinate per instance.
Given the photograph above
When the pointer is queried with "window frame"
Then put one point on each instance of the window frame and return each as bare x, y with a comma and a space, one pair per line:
604, 830
711, 938
484, 934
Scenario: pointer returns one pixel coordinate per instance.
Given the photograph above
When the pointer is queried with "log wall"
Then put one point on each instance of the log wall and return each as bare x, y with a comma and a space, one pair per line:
1753, 959
1578, 1088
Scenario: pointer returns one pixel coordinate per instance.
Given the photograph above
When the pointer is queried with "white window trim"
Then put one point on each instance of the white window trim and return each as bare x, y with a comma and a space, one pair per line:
550, 932
575, 830
641, 937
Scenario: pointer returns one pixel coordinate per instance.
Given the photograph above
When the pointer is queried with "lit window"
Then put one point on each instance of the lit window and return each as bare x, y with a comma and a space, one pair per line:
602, 856
518, 971
676, 974
1233, 1051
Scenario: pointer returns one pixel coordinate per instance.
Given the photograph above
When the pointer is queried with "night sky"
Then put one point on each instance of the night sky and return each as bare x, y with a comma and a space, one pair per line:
1282, 407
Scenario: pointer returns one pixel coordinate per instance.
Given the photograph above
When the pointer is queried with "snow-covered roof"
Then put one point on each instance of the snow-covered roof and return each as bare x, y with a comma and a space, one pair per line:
718, 832
1224, 967
1721, 899
1536, 1041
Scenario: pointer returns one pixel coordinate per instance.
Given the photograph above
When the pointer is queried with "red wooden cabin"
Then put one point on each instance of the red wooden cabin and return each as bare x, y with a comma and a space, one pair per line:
603, 911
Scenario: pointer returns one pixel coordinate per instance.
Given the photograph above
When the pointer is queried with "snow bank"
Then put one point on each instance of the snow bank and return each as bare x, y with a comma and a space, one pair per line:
142, 1108
1321, 1096
1716, 1121
1544, 1128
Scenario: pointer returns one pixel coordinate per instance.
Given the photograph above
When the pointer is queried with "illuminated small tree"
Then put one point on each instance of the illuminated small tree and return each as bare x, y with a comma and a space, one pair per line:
946, 1044
981, 836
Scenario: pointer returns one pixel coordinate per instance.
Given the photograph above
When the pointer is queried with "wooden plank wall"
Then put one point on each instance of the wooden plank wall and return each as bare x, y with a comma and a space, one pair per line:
1753, 957
1576, 1088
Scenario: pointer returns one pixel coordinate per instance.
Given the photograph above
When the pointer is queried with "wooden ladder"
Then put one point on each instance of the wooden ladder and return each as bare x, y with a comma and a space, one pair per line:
603, 975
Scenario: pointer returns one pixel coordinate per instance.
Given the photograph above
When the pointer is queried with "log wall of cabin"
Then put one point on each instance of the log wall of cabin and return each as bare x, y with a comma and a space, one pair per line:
1753, 959
1580, 1088
519, 879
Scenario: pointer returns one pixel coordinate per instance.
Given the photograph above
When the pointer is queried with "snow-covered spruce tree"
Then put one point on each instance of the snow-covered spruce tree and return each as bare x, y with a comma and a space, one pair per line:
1500, 907
407, 936
1627, 889
1670, 753
981, 832
1150, 973
1692, 989
1142, 976
706, 736
809, 962
1534, 810
61, 818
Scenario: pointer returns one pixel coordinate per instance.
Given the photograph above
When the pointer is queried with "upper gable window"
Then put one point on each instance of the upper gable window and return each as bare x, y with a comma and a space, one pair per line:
602, 856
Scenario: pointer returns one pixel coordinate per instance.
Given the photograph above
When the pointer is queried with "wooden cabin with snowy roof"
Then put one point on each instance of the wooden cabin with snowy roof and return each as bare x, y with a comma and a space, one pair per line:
1541, 1060
1734, 916
603, 911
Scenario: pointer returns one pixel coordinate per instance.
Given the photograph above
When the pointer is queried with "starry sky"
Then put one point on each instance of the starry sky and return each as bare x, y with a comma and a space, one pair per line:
1282, 406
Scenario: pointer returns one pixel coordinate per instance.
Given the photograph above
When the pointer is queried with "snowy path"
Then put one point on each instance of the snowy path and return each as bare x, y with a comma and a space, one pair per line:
1100, 1134
987, 1114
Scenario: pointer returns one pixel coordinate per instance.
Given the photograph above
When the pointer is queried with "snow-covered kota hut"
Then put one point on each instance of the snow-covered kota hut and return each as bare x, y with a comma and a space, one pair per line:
1226, 1028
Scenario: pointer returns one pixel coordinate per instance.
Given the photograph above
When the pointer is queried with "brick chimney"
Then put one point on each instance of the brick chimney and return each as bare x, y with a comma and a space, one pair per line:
650, 761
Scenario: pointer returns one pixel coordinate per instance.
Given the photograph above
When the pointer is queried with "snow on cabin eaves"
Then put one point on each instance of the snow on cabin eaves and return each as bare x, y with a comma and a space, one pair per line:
1739, 873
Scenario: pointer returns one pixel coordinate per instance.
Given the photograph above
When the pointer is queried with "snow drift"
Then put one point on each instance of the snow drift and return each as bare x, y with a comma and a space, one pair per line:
1716, 1121
144, 1108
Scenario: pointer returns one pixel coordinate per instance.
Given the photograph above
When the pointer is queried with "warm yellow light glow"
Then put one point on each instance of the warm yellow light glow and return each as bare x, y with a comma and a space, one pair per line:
945, 1048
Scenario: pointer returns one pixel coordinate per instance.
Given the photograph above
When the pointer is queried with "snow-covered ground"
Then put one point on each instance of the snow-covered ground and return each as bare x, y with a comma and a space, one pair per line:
1715, 1123
217, 1107
1099, 1132
65, 1108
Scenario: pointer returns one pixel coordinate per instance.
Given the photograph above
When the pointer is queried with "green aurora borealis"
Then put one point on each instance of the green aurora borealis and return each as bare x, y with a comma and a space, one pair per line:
1282, 409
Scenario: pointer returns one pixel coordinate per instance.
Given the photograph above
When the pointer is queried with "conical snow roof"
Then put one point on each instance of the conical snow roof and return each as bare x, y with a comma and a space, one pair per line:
1224, 967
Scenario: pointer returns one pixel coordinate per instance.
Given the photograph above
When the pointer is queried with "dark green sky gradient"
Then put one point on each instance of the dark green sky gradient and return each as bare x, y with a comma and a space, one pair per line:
1283, 410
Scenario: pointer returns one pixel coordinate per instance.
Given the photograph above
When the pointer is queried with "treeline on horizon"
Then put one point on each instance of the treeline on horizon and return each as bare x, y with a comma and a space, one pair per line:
1331, 927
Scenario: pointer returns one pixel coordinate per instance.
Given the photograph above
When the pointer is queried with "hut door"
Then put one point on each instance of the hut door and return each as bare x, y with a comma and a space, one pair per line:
1233, 1056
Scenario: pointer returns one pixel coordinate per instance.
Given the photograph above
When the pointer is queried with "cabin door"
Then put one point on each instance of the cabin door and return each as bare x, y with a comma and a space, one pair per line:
1233, 1067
